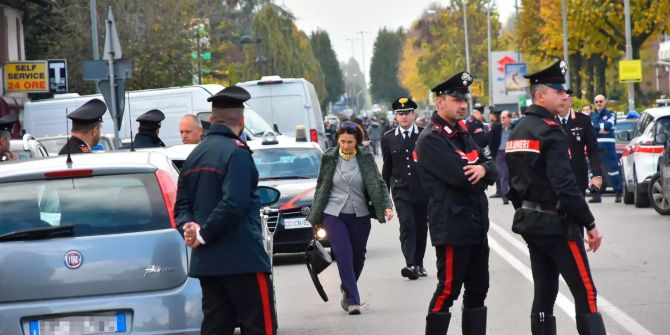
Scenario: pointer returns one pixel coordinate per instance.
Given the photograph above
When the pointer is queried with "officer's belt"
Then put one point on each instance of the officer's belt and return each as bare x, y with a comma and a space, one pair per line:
536, 206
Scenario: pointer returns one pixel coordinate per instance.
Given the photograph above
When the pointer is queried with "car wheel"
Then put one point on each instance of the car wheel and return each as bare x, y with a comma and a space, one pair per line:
640, 197
627, 195
656, 198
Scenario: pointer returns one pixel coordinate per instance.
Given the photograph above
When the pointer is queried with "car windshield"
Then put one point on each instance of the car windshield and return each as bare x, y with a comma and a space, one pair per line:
253, 122
54, 144
624, 126
94, 205
287, 163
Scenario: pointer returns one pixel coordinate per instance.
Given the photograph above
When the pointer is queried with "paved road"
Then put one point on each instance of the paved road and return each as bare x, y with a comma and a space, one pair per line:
631, 272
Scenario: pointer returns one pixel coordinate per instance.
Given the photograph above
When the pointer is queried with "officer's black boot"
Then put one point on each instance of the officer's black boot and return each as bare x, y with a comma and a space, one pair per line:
474, 321
590, 324
437, 323
596, 198
542, 324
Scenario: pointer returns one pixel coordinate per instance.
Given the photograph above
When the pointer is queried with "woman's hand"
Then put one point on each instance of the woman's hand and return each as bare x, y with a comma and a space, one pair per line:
388, 213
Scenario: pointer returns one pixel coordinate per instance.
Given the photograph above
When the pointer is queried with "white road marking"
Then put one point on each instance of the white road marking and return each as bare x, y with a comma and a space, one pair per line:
616, 314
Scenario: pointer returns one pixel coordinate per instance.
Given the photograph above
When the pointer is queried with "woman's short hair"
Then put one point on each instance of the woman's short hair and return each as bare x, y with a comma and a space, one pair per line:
352, 128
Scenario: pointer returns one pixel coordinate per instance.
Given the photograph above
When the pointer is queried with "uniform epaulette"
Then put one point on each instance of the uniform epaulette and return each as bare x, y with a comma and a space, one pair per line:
390, 131
550, 122
239, 143
435, 127
84, 148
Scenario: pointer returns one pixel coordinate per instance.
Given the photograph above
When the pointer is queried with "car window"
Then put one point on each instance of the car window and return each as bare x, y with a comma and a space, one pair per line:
285, 162
253, 122
663, 126
645, 119
95, 205
53, 145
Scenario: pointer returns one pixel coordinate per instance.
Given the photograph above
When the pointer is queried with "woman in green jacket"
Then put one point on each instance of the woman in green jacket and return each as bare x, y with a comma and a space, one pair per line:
349, 192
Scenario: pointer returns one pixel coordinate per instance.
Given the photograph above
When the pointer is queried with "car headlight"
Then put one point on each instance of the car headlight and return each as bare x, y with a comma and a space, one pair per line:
304, 210
320, 233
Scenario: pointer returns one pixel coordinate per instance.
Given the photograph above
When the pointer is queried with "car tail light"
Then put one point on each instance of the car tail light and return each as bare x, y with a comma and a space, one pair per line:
313, 135
169, 191
68, 173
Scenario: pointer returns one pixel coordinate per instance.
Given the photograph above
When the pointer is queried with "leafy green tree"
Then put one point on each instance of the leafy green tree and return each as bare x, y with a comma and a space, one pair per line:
354, 86
384, 83
324, 53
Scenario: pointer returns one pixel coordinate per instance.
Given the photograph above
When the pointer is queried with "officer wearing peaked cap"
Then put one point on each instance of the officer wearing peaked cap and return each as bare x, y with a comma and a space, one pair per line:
217, 209
550, 207
86, 127
6, 124
455, 172
147, 133
410, 198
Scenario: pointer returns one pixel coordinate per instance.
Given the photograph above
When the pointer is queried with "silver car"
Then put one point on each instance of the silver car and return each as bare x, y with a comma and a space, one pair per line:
92, 247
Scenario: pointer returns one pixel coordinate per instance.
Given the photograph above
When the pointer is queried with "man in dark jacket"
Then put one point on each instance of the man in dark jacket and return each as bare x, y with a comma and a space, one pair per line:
456, 172
401, 177
477, 129
498, 140
582, 142
150, 125
218, 209
550, 208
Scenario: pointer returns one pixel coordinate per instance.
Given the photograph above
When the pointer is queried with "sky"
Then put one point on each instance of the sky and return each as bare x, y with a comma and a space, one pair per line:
344, 24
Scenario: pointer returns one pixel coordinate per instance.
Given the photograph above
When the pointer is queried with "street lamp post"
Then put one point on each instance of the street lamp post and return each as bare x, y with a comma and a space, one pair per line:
629, 54
260, 58
488, 50
565, 39
467, 49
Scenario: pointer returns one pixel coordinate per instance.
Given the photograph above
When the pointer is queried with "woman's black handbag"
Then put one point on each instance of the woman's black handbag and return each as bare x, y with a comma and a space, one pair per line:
317, 260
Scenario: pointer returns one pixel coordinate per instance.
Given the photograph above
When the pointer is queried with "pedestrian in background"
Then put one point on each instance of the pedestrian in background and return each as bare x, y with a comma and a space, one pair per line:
6, 124
605, 125
588, 111
218, 208
455, 172
375, 132
190, 129
147, 133
349, 192
499, 135
582, 143
550, 209
477, 129
409, 197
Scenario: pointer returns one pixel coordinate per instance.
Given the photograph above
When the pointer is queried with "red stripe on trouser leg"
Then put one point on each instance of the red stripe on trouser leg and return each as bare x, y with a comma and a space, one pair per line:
448, 278
265, 297
590, 293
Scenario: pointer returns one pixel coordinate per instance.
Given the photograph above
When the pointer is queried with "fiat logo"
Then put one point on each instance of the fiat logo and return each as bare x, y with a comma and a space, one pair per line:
73, 259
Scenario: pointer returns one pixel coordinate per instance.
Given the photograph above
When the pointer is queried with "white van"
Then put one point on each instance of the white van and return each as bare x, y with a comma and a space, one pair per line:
287, 103
45, 118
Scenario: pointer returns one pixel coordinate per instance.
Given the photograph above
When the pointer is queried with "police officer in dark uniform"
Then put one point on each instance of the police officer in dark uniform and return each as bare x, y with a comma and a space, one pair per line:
476, 127
401, 177
86, 127
455, 172
550, 207
218, 208
6, 124
150, 125
582, 142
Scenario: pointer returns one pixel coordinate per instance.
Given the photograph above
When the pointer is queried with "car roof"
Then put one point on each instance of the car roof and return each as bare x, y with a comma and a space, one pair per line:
656, 112
283, 142
100, 163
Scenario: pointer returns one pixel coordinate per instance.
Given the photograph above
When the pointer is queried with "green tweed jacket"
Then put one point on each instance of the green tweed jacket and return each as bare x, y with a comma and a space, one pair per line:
375, 189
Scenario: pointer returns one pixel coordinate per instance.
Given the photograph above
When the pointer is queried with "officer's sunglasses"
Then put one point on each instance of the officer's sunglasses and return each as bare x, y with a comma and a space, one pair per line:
599, 101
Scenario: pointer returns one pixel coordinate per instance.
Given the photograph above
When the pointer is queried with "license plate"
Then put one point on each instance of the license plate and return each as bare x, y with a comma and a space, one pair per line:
296, 223
80, 324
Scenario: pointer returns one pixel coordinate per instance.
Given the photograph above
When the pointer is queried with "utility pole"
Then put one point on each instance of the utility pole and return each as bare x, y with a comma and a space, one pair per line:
565, 40
629, 54
352, 40
467, 49
197, 40
363, 54
94, 34
518, 53
488, 50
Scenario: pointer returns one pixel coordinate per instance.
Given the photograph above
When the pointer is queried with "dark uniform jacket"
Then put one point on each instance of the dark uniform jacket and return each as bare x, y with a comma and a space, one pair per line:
399, 170
375, 190
581, 139
479, 133
541, 177
457, 210
494, 138
77, 146
218, 190
147, 139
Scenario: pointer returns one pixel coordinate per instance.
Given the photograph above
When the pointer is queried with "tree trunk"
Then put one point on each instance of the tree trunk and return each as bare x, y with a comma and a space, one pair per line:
576, 61
590, 79
600, 75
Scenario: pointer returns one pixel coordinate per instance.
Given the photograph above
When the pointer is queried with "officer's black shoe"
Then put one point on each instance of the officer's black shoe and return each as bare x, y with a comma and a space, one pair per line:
590, 324
505, 201
422, 271
437, 323
497, 195
542, 324
618, 198
595, 199
410, 272
474, 321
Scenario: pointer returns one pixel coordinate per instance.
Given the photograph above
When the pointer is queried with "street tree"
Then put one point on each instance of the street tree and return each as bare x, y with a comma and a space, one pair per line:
324, 53
384, 83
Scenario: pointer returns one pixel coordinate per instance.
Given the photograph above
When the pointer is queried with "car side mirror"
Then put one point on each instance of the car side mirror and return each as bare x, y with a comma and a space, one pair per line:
623, 135
268, 195
661, 138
